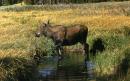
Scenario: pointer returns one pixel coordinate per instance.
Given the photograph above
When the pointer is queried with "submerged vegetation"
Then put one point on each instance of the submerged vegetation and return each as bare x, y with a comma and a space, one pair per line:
18, 45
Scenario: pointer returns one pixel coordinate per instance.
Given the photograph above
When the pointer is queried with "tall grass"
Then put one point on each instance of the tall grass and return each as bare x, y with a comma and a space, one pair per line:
17, 35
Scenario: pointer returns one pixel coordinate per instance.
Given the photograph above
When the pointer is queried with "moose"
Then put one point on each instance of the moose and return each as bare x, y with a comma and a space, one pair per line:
65, 36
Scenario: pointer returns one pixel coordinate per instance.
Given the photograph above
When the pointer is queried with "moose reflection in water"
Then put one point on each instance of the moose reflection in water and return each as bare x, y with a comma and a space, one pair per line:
65, 36
71, 68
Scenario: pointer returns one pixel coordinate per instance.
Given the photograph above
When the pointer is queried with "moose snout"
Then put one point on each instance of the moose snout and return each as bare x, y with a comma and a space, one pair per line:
37, 34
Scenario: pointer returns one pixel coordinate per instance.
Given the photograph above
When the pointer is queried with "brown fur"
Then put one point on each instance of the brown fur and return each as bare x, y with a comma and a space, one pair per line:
64, 36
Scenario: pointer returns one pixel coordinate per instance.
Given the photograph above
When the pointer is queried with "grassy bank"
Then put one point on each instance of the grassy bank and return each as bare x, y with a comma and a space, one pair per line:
110, 22
103, 8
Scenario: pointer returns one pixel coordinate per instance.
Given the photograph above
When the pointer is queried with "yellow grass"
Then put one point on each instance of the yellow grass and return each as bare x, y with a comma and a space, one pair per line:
19, 26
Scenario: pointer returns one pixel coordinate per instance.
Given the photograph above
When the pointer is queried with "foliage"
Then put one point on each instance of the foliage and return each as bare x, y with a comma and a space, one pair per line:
104, 20
17, 69
51, 2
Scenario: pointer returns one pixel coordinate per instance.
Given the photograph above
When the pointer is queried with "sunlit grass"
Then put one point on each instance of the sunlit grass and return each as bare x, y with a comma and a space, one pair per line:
19, 27
17, 31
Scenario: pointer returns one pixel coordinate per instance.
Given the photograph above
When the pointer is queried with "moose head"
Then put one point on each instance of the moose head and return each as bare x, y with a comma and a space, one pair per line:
42, 29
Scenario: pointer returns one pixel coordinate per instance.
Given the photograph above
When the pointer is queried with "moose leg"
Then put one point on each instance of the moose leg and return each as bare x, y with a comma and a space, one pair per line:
59, 51
88, 64
86, 51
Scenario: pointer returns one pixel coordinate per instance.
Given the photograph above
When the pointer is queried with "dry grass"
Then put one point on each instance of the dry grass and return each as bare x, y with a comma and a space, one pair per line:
17, 28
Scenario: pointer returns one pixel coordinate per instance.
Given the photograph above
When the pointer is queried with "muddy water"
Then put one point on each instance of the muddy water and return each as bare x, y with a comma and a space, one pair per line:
71, 68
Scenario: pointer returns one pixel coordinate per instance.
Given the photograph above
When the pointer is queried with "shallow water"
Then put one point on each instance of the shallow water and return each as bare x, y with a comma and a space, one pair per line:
71, 68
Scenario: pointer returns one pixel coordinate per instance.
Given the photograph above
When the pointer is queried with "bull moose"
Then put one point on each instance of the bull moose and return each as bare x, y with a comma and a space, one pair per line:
64, 36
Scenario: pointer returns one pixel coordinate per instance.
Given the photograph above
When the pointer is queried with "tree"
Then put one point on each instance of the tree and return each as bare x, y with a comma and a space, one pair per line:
12, 2
0, 2
27, 1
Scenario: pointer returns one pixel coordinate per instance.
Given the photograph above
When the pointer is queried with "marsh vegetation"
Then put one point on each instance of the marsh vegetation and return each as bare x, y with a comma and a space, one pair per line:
107, 22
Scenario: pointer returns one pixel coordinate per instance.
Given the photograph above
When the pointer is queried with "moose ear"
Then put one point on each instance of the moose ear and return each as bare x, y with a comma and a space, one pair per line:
48, 22
46, 25
43, 25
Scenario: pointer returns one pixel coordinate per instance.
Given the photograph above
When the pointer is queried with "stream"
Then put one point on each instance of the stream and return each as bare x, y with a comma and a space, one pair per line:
71, 68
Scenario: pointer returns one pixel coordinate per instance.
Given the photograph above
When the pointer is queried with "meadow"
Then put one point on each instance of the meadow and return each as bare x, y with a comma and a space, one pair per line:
108, 21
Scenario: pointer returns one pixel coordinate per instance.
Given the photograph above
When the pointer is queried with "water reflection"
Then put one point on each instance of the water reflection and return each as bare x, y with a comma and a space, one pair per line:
90, 68
47, 71
48, 66
72, 68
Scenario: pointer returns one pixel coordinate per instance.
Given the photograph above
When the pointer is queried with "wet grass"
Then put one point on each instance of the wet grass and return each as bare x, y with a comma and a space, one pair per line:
18, 44
17, 69
114, 44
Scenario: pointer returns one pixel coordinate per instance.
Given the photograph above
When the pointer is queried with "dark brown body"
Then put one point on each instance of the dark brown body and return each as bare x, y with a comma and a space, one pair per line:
64, 36
68, 35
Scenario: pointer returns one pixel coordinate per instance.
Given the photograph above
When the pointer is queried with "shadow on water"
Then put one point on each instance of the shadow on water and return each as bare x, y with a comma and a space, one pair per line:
71, 68
98, 46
